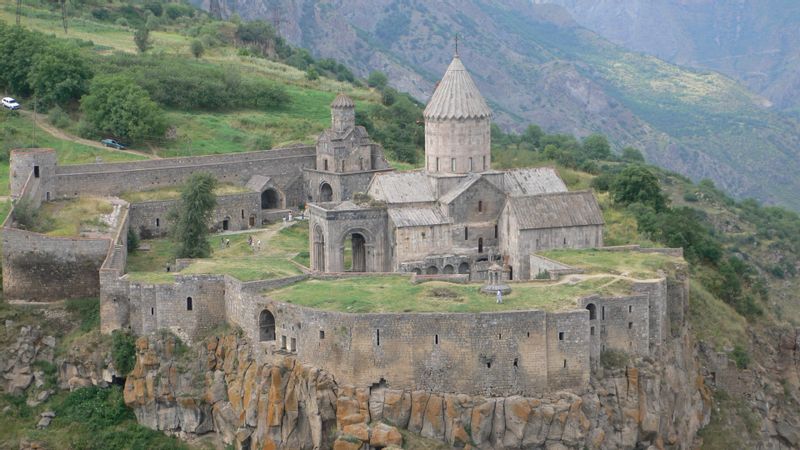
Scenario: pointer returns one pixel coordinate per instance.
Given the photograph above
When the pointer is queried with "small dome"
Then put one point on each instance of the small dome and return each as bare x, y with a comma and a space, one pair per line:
457, 97
342, 101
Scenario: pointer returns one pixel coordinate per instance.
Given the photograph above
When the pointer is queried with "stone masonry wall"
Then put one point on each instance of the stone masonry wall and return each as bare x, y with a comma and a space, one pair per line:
151, 219
283, 166
37, 267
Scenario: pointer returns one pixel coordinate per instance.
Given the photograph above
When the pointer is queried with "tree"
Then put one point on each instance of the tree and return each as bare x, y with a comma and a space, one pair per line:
631, 154
59, 74
532, 136
141, 37
636, 184
116, 106
18, 47
197, 48
377, 80
596, 147
194, 212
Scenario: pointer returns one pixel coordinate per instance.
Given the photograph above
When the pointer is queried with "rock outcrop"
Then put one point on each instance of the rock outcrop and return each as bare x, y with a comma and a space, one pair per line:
231, 387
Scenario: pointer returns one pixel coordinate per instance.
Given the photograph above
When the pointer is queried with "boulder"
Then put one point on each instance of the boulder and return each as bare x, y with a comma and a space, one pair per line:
359, 430
384, 435
347, 443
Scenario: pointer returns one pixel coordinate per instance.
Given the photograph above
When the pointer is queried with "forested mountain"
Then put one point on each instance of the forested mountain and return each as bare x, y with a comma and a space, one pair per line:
535, 64
754, 41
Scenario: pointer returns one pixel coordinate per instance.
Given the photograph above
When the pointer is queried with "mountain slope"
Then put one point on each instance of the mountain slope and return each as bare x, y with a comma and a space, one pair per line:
756, 42
535, 64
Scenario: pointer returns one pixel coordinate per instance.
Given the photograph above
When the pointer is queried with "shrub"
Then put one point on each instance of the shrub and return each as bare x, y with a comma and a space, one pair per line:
613, 359
123, 351
133, 241
58, 117
690, 196
87, 310
312, 74
123, 22
196, 48
141, 37
26, 214
740, 356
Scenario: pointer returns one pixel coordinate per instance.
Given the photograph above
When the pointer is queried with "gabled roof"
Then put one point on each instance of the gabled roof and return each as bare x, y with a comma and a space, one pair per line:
404, 187
457, 96
342, 101
462, 187
415, 217
533, 181
564, 209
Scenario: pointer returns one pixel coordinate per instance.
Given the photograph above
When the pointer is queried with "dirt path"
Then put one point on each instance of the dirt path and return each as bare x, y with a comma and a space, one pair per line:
42, 123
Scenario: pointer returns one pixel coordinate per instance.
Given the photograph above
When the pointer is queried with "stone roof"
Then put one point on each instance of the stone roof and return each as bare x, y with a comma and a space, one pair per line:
533, 181
403, 187
415, 217
457, 96
563, 209
342, 101
258, 183
462, 187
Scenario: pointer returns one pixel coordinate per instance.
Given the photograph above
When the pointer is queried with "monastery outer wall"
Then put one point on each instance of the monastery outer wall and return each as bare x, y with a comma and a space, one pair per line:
515, 352
619, 323
284, 166
150, 219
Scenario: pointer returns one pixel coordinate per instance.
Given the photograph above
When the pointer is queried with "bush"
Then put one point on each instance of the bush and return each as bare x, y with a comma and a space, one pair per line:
613, 359
118, 107
58, 117
141, 37
740, 356
123, 22
123, 351
133, 241
87, 311
26, 214
196, 48
690, 196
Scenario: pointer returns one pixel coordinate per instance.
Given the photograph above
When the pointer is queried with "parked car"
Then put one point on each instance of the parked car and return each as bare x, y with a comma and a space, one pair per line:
113, 143
10, 103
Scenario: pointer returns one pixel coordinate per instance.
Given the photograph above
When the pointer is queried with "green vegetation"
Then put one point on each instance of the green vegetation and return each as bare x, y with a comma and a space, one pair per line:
173, 192
733, 424
193, 215
117, 107
397, 294
87, 310
72, 217
613, 359
123, 351
279, 246
631, 264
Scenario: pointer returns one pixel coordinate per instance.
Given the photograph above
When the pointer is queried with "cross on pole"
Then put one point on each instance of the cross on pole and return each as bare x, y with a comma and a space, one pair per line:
456, 44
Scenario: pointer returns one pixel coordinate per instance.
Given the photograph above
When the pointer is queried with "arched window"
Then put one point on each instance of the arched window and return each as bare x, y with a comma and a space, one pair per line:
592, 311
480, 205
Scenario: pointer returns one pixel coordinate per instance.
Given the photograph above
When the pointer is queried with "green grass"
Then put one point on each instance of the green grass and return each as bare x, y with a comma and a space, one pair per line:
714, 321
173, 192
373, 294
629, 263
238, 260
73, 217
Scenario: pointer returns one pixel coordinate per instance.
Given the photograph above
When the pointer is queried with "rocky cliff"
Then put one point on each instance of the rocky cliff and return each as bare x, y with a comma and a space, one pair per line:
230, 387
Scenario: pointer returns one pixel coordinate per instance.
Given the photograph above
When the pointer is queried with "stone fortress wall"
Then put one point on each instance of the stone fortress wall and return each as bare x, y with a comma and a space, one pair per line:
500, 353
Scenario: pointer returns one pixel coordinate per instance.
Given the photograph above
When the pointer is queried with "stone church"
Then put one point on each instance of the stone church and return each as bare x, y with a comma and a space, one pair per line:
456, 215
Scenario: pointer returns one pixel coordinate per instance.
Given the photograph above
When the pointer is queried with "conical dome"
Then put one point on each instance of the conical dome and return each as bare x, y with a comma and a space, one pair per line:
457, 97
342, 101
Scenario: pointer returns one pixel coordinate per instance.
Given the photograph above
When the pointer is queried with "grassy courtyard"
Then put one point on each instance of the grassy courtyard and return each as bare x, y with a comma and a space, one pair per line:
394, 294
76, 217
278, 246
173, 192
628, 263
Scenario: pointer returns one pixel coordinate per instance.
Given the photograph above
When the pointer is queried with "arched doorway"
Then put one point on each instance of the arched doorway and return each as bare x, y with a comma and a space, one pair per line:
319, 249
355, 253
463, 268
448, 269
270, 199
432, 270
266, 326
592, 311
325, 192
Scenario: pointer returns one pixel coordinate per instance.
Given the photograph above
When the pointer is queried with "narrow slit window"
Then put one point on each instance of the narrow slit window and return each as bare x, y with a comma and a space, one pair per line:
152, 311
452, 164
630, 325
591, 331
516, 362
480, 205
560, 335
603, 313
378, 336
495, 231
189, 305
565, 363
436, 339
630, 309
35, 171
321, 334
158, 222
488, 365
242, 214
466, 233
